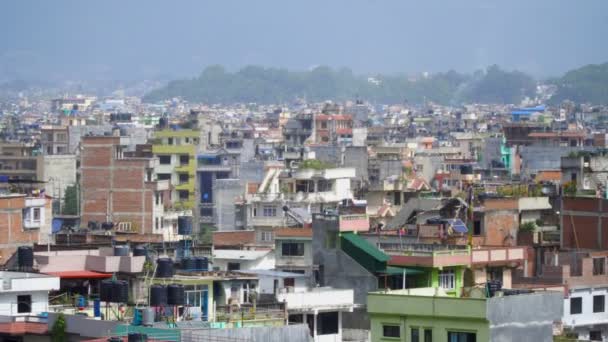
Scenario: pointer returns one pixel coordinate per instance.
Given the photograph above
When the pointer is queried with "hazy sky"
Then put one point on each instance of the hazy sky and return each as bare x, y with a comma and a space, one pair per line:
129, 39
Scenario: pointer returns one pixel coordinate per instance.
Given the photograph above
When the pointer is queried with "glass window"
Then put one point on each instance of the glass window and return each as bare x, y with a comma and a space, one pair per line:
458, 336
292, 249
599, 266
24, 304
183, 195
599, 303
266, 236
391, 331
234, 266
184, 159
269, 211
595, 335
415, 335
327, 323
576, 305
164, 160
428, 335
447, 279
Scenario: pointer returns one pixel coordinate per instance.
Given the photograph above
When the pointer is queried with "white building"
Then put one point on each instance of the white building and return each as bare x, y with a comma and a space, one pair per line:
308, 189
242, 260
585, 313
321, 308
25, 294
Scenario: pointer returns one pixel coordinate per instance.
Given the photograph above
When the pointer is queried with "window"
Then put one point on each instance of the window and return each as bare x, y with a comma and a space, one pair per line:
183, 195
62, 137
269, 211
447, 279
457, 336
292, 249
391, 331
183, 178
24, 304
599, 303
36, 214
156, 223
477, 227
415, 335
324, 185
289, 282
234, 266
169, 141
266, 236
576, 305
599, 266
184, 159
595, 335
164, 160
164, 176
327, 323
397, 198
428, 335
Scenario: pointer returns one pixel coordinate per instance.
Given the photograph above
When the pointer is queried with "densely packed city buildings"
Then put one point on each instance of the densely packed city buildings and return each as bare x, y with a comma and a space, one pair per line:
327, 221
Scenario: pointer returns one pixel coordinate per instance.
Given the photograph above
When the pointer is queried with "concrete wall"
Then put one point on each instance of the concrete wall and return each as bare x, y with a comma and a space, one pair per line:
226, 191
509, 322
291, 333
59, 173
8, 303
84, 327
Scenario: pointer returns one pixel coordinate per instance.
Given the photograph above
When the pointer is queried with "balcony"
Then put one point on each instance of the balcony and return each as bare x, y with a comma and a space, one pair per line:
354, 223
498, 255
426, 255
322, 298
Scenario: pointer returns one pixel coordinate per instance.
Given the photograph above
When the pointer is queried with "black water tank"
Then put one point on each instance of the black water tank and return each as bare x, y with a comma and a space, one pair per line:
202, 263
184, 225
120, 291
175, 294
493, 287
140, 251
107, 225
105, 292
137, 337
188, 264
158, 295
164, 268
25, 257
121, 250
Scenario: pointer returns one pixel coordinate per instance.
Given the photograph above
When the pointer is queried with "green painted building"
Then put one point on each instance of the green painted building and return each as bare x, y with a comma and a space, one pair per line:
429, 314
176, 151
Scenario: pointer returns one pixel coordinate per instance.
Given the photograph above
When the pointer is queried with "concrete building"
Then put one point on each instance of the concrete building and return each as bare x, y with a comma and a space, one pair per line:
21, 162
54, 140
176, 153
123, 191
243, 260
25, 294
59, 172
585, 313
23, 222
429, 315
293, 250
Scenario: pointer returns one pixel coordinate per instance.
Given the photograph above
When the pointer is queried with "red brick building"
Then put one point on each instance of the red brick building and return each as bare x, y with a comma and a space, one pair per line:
119, 190
584, 223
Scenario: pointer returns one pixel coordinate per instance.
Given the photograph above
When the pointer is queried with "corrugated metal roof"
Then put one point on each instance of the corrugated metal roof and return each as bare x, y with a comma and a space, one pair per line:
366, 247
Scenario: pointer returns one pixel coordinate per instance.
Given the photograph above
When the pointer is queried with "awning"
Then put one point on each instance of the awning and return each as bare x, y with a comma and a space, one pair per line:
365, 247
80, 275
392, 270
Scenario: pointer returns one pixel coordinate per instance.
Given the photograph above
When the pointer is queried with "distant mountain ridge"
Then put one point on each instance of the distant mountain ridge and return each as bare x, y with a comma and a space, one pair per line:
271, 85
585, 84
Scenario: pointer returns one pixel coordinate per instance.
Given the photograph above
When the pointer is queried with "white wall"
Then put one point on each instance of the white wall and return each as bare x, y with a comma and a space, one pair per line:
8, 303
587, 317
264, 263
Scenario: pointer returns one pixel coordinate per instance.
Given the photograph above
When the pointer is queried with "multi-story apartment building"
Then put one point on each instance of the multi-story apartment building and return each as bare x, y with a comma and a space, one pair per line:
21, 162
176, 153
123, 191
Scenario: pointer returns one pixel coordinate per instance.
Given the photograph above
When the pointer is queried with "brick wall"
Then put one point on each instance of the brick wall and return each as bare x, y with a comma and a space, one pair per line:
12, 234
584, 223
114, 189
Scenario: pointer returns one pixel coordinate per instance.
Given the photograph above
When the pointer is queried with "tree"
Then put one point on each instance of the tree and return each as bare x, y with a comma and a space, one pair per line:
70, 201
58, 330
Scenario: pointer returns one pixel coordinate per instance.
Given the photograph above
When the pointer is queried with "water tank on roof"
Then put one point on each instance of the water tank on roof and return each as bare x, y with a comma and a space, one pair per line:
164, 268
121, 250
120, 291
107, 225
184, 225
147, 316
105, 292
140, 251
25, 257
175, 294
201, 263
93, 225
188, 264
158, 295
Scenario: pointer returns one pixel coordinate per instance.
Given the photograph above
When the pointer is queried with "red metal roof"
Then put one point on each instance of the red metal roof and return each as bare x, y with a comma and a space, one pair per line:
80, 275
22, 328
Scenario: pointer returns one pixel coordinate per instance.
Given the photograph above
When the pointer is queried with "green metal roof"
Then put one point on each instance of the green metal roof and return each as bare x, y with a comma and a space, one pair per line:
393, 270
366, 247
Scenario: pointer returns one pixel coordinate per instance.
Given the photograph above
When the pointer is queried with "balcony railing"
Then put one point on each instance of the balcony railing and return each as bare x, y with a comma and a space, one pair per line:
318, 298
